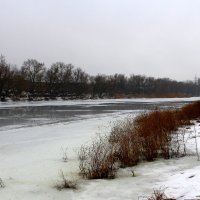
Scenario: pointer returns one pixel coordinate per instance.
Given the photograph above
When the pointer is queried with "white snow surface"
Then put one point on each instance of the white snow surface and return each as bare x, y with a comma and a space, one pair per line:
31, 161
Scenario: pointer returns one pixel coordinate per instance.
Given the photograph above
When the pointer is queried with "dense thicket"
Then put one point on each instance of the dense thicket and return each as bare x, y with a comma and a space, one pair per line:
34, 80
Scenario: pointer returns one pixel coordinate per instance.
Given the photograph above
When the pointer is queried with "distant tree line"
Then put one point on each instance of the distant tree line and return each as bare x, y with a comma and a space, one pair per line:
33, 80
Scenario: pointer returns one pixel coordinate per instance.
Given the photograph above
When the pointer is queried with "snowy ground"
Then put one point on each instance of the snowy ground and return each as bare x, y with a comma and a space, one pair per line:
31, 161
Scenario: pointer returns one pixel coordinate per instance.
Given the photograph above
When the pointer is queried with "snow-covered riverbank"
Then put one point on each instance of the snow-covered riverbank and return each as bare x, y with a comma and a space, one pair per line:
31, 160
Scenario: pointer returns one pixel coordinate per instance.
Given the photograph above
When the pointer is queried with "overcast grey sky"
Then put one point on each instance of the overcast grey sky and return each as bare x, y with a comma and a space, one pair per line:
159, 38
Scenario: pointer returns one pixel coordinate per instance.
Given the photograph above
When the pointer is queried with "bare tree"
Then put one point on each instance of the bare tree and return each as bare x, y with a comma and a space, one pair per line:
80, 82
60, 77
33, 71
4, 77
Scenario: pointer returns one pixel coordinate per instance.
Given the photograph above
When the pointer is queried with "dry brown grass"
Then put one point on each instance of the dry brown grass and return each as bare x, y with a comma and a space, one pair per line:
159, 195
190, 111
155, 129
147, 137
126, 142
97, 160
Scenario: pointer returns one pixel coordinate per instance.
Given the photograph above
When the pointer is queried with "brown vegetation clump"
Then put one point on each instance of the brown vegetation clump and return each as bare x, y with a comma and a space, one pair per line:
159, 195
127, 143
190, 111
147, 137
97, 161
155, 130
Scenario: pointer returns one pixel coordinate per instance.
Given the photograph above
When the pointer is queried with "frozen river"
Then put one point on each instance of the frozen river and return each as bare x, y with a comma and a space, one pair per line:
25, 114
33, 134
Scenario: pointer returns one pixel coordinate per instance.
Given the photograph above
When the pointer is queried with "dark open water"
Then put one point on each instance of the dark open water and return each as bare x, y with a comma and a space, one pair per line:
12, 117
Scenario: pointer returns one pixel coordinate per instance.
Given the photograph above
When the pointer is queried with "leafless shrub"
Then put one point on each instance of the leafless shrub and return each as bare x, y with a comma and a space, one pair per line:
2, 185
159, 195
97, 160
133, 173
65, 183
182, 134
64, 154
127, 143
196, 144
